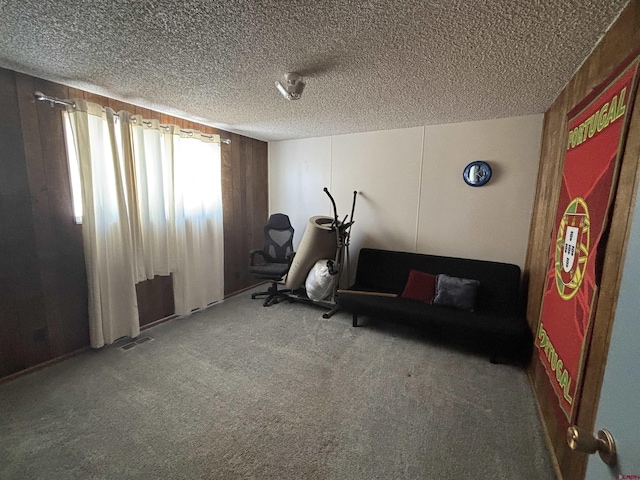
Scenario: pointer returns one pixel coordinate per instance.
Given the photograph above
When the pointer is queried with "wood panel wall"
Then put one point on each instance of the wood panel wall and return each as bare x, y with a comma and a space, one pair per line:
247, 214
43, 286
23, 318
621, 40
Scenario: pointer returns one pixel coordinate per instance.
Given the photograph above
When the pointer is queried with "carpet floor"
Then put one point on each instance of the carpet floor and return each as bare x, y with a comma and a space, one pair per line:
239, 391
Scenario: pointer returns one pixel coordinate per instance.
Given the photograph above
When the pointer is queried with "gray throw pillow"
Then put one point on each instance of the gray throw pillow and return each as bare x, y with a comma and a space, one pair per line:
456, 292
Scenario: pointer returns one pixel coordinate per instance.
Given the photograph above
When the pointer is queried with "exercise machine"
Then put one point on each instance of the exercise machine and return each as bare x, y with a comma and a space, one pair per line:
325, 238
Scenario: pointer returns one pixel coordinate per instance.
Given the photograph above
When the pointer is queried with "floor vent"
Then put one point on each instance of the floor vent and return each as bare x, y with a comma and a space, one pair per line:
133, 343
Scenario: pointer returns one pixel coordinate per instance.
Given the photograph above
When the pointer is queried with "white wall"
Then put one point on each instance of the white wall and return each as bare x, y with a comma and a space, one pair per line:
298, 171
384, 168
412, 196
489, 222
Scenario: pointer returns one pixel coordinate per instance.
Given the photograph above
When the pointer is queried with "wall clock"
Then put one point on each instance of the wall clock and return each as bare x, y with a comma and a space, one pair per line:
477, 173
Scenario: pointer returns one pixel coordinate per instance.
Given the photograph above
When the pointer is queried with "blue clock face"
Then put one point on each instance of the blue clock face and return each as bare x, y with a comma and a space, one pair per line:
477, 173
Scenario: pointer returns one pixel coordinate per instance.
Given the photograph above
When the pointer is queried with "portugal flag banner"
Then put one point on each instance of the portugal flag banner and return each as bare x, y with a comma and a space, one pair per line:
596, 136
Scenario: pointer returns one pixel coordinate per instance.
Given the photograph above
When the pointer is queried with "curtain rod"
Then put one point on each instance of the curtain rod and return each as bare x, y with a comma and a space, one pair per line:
53, 100
166, 127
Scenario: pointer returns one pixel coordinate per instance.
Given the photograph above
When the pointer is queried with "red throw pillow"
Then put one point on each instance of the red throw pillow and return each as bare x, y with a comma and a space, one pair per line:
420, 286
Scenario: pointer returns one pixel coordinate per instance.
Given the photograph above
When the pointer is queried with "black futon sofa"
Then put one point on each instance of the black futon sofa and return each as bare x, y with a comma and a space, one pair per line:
496, 327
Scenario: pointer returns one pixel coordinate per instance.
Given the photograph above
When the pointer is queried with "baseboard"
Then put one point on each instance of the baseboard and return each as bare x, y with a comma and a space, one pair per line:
32, 369
158, 322
246, 289
547, 437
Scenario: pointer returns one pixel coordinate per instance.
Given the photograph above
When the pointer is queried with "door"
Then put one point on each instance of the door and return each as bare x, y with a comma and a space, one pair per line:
619, 407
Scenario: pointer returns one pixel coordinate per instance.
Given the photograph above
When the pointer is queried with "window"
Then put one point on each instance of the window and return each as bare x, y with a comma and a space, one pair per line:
74, 169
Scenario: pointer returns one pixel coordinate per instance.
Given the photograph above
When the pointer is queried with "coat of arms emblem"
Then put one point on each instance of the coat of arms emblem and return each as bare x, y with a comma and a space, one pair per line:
572, 248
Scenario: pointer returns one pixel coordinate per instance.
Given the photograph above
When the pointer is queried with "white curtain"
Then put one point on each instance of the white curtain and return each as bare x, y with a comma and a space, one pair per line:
108, 246
151, 184
152, 199
198, 279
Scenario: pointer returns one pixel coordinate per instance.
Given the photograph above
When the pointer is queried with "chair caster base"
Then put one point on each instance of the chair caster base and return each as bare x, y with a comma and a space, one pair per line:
273, 295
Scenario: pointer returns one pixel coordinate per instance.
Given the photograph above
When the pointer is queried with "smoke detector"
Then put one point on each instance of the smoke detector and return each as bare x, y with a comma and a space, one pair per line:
293, 86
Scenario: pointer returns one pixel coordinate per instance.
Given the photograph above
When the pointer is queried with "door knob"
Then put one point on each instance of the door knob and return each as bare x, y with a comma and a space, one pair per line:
583, 441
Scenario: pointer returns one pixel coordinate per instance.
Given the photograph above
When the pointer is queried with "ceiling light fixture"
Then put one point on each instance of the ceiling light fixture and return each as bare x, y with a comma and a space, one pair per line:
293, 86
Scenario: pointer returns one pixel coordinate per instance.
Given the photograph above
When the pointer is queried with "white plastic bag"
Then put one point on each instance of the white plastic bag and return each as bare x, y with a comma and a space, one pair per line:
319, 281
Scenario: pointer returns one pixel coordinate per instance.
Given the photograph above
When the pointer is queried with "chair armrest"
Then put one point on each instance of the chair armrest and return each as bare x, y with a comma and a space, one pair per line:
253, 253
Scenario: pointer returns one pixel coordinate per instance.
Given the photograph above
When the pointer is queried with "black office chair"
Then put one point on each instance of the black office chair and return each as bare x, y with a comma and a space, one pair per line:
277, 254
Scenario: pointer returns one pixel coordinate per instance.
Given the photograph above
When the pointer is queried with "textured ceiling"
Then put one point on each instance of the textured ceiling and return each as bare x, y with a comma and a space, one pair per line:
373, 65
